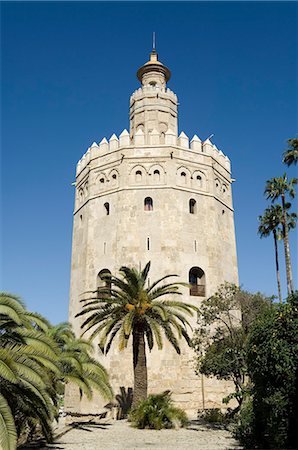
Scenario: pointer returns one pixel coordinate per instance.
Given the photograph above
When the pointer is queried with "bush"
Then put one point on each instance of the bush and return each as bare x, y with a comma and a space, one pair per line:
243, 429
212, 415
157, 412
271, 419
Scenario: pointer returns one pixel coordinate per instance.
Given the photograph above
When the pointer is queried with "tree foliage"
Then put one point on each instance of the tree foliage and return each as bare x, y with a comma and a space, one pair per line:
272, 359
290, 156
271, 222
224, 320
36, 360
281, 187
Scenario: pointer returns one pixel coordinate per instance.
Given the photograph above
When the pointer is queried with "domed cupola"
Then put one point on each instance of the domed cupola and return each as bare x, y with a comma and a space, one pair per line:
154, 73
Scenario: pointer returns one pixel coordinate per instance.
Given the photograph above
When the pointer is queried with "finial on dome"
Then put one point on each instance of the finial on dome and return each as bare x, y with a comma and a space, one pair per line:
153, 66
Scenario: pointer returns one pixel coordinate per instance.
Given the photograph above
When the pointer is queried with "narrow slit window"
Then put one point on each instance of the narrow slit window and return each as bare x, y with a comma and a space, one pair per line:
192, 206
107, 208
148, 243
148, 204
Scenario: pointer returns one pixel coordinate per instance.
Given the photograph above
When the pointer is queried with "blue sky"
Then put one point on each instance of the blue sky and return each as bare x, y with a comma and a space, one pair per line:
68, 70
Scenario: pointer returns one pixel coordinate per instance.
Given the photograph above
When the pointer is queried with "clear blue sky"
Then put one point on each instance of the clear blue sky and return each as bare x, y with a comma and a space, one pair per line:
68, 70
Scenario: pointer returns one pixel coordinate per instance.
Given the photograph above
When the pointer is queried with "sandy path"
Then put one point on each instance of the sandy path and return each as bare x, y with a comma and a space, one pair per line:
119, 436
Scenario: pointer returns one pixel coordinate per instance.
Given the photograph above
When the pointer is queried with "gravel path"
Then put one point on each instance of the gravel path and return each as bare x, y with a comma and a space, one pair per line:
119, 435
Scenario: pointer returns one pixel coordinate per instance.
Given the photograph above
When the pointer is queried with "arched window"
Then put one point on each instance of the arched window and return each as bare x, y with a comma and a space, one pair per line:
156, 176
192, 206
103, 283
138, 176
148, 204
107, 208
197, 282
183, 177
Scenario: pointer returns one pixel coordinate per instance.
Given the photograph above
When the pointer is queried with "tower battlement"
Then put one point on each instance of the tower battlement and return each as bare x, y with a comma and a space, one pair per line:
153, 91
105, 147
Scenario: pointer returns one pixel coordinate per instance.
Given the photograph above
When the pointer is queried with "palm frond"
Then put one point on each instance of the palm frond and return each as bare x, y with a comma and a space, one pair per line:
8, 434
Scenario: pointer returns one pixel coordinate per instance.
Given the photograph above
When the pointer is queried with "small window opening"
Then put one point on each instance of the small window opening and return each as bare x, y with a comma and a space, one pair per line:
81, 217
138, 175
104, 283
183, 177
192, 206
199, 177
148, 204
114, 176
195, 245
156, 175
102, 180
148, 243
152, 83
107, 208
197, 282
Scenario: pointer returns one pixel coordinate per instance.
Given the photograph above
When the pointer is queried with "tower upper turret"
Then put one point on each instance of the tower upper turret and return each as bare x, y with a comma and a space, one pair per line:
154, 73
153, 107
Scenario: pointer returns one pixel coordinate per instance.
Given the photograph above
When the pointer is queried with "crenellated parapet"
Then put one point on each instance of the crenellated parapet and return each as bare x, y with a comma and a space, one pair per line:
153, 91
155, 139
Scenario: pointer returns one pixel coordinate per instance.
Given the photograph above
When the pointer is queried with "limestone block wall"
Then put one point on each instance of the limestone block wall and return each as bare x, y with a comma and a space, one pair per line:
122, 173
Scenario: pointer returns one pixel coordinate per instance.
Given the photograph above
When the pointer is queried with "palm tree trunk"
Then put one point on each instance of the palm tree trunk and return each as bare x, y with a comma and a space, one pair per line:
139, 367
290, 286
277, 266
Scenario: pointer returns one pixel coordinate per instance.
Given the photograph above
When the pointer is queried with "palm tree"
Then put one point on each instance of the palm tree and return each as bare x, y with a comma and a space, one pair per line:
275, 188
36, 360
25, 394
76, 363
129, 308
290, 156
269, 223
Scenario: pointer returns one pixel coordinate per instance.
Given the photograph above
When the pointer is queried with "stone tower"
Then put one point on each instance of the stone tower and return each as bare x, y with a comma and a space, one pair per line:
151, 195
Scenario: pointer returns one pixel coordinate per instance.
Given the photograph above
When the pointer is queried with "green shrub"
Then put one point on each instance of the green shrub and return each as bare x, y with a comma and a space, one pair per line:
271, 420
157, 412
243, 429
213, 415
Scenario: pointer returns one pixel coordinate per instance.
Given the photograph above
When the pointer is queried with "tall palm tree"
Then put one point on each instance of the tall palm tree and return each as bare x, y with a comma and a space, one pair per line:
270, 222
129, 308
275, 188
290, 156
